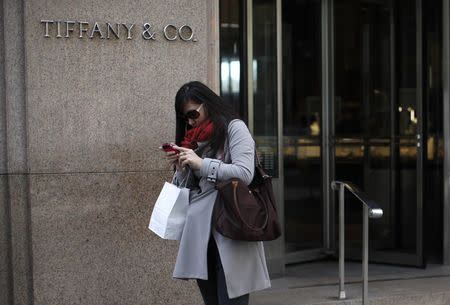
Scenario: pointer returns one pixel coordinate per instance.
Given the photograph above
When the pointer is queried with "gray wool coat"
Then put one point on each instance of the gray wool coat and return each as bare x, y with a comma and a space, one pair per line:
243, 262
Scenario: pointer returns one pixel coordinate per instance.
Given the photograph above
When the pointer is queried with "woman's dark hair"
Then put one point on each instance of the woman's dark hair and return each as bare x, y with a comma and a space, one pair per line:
218, 111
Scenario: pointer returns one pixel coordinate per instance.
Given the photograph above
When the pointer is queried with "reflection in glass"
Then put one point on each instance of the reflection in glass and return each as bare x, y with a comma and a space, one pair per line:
376, 117
264, 66
301, 125
232, 82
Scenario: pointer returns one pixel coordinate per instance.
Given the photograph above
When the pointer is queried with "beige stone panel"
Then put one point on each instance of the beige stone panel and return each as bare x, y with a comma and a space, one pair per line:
5, 264
13, 138
106, 105
3, 152
91, 244
20, 236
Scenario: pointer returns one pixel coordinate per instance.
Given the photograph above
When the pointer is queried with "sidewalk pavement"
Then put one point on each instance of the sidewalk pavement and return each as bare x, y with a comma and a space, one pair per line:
317, 283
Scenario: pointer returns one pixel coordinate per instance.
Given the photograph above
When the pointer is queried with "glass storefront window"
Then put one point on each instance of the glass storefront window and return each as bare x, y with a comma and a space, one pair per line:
234, 71
264, 68
232, 55
386, 121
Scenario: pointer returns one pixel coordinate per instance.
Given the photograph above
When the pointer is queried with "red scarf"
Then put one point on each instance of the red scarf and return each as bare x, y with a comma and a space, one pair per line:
201, 133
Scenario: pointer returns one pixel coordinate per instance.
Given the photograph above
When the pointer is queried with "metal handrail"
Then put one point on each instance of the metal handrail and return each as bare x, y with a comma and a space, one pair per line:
370, 210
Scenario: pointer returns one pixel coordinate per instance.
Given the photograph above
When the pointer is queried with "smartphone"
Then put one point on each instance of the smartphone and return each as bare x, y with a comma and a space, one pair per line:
169, 147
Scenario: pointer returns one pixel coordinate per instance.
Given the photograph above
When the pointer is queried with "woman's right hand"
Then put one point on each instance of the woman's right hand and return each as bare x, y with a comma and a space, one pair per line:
172, 158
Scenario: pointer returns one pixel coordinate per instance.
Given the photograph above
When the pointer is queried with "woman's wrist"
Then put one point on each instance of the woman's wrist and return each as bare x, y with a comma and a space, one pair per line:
197, 163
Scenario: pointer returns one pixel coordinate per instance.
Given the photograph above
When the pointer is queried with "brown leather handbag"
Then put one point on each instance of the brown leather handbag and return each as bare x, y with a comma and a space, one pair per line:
244, 212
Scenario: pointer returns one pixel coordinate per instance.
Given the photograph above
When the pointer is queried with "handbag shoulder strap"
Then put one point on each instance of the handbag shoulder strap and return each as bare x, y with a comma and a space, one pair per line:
227, 156
258, 165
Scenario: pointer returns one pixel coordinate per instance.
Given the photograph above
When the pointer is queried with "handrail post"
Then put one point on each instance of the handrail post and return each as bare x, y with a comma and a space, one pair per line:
365, 254
370, 208
341, 242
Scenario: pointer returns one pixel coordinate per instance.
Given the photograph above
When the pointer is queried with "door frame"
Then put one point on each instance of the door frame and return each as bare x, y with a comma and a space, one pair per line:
421, 148
446, 122
327, 28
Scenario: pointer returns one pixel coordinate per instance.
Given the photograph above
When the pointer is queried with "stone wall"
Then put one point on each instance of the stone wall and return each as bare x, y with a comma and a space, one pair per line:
80, 123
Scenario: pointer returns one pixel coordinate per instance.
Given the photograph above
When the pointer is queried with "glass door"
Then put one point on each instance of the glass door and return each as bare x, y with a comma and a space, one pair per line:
377, 141
302, 135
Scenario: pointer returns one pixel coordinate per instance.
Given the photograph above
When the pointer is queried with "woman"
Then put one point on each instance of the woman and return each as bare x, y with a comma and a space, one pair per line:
215, 146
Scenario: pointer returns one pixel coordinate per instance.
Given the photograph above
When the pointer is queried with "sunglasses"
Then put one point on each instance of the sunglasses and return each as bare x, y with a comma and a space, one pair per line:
192, 114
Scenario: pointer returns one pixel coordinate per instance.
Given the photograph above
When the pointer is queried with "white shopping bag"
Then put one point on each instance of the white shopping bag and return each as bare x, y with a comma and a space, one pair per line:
169, 214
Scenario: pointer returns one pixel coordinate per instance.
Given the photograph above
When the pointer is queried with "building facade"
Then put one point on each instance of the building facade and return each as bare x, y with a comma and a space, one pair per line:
353, 90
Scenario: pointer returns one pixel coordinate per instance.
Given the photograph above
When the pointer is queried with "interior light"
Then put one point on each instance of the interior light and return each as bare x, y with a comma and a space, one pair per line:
225, 76
255, 75
235, 73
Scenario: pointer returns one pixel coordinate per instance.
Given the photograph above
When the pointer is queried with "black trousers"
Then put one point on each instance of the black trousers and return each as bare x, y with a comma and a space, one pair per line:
214, 290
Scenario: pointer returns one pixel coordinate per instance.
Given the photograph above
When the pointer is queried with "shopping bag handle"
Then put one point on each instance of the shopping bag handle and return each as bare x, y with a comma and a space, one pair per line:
185, 180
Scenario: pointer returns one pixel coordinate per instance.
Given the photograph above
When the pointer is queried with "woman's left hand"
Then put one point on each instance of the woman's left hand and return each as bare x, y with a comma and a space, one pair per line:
188, 157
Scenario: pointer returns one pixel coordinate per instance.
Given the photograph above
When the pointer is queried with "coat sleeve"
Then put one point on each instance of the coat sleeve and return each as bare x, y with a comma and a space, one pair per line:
242, 151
